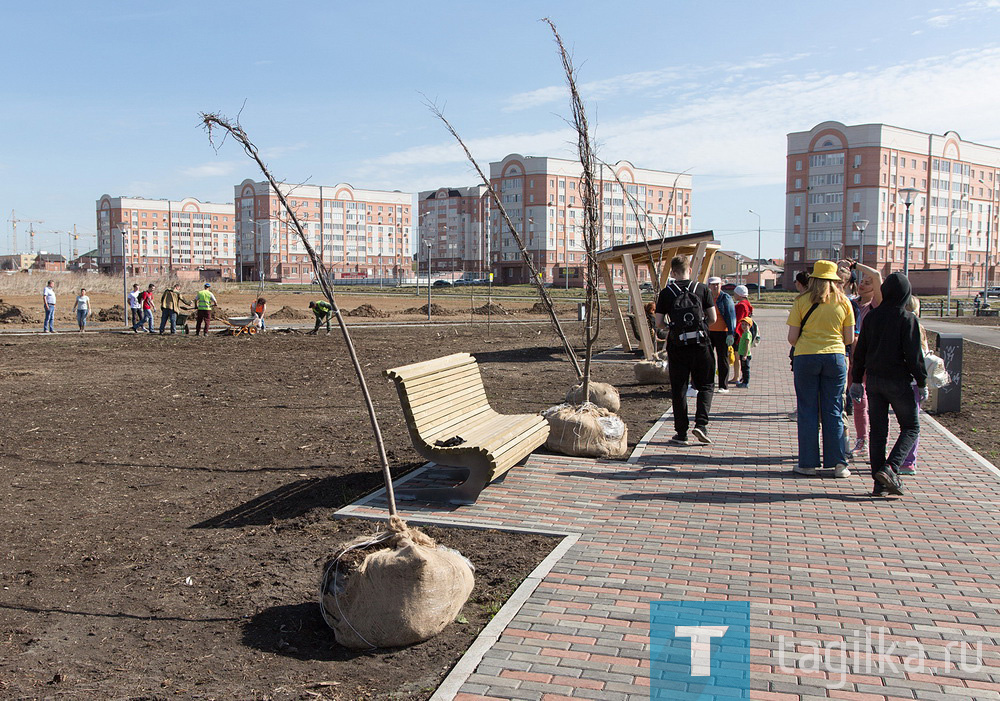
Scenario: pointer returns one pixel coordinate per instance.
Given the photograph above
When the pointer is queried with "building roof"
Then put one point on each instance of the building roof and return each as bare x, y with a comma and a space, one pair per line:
51, 257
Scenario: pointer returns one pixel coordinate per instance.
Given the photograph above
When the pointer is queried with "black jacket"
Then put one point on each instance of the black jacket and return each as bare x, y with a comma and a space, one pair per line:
889, 344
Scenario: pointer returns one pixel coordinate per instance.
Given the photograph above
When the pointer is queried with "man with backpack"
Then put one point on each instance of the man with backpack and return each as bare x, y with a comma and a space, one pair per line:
685, 309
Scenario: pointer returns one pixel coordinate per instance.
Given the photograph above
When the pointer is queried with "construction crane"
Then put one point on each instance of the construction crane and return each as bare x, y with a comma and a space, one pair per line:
14, 221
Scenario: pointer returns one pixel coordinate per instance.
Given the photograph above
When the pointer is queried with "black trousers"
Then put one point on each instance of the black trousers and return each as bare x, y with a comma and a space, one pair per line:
884, 393
694, 365
718, 341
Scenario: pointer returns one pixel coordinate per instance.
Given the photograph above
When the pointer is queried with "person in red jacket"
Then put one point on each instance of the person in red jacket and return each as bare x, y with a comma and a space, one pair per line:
744, 310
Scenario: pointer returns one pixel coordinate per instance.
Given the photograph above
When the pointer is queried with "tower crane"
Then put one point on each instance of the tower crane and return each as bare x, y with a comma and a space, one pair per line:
14, 221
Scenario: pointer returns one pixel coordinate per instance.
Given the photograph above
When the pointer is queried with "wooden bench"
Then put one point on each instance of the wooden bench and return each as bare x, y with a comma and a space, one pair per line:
443, 399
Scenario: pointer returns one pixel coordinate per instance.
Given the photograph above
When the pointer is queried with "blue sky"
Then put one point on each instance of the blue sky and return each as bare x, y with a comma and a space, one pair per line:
103, 97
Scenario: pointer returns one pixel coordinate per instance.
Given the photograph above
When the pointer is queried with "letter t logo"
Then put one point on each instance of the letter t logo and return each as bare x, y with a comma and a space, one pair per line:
701, 650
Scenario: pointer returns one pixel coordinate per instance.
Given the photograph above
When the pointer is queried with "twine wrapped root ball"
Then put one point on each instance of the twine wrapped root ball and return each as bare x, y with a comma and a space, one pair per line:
601, 394
394, 588
586, 430
654, 371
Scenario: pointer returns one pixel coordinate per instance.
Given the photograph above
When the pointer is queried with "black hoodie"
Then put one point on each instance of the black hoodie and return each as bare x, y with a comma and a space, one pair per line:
889, 344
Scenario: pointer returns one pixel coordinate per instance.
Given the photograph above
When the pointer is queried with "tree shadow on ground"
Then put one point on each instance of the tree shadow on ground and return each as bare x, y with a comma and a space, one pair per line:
543, 354
296, 498
298, 631
679, 472
731, 497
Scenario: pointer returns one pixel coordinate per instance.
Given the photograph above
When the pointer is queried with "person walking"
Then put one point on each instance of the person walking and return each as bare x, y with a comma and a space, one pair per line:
721, 332
688, 307
148, 308
82, 309
135, 308
323, 312
820, 327
49, 304
889, 357
204, 301
744, 327
170, 304
909, 466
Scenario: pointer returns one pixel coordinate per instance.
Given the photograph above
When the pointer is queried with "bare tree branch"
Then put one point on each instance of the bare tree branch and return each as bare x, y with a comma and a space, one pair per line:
213, 122
589, 200
535, 277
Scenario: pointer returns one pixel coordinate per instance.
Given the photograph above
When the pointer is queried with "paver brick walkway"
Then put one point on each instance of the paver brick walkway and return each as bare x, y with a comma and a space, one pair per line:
818, 557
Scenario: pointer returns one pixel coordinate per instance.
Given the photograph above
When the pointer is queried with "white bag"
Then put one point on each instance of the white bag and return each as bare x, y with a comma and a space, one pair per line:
937, 376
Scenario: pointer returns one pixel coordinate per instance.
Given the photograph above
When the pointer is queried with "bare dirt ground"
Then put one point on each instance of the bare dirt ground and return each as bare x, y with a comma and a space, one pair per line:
169, 504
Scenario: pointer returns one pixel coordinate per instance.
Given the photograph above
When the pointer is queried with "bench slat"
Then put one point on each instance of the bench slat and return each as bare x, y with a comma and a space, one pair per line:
430, 381
422, 399
445, 413
410, 372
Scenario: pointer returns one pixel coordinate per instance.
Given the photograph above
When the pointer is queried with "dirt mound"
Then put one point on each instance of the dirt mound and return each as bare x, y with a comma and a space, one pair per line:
115, 313
538, 308
492, 308
9, 314
435, 311
368, 311
287, 312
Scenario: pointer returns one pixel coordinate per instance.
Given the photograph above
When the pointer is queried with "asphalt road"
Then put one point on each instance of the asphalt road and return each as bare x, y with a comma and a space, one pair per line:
985, 335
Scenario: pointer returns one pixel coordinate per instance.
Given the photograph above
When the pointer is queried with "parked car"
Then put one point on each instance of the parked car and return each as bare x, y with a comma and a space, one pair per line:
729, 287
991, 293
646, 287
442, 283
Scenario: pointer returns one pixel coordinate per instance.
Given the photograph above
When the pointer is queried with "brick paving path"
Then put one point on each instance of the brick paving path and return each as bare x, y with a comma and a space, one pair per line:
819, 559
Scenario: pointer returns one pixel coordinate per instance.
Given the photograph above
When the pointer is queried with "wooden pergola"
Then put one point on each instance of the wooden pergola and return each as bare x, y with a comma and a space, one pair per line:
656, 256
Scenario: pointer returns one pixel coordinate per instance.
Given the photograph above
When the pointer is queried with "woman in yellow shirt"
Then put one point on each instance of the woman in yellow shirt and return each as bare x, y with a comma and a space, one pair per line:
820, 327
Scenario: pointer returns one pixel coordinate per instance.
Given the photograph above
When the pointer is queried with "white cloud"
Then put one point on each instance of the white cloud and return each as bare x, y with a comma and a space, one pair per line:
643, 81
960, 13
941, 20
212, 169
733, 135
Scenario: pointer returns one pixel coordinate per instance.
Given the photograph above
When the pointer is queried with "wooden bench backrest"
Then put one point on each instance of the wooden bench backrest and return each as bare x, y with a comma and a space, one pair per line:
439, 392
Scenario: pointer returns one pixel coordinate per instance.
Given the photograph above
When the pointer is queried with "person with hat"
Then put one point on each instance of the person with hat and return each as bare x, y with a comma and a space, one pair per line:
744, 334
204, 301
721, 332
820, 327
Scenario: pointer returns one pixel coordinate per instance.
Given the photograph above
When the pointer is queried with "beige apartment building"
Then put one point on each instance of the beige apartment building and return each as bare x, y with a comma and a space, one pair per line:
362, 234
846, 194
452, 232
542, 197
186, 238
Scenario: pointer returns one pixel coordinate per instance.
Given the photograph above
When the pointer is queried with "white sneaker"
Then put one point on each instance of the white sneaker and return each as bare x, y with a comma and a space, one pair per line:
722, 390
692, 392
841, 470
810, 471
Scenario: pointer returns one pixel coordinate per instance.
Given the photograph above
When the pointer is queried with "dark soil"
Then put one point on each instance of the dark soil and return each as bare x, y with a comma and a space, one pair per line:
978, 424
287, 312
368, 311
436, 310
12, 314
168, 503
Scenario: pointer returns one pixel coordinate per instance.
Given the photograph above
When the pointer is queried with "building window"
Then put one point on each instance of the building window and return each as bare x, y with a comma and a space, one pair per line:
857, 178
857, 160
798, 165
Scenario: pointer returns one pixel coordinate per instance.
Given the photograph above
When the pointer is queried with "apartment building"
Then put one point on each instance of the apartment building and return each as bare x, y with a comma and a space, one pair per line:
185, 238
541, 196
356, 233
847, 189
452, 231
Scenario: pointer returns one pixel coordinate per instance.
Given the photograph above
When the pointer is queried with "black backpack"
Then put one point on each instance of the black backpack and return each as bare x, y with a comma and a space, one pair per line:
687, 317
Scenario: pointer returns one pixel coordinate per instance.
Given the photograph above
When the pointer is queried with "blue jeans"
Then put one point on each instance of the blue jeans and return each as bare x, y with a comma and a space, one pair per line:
81, 317
147, 319
819, 394
170, 314
50, 315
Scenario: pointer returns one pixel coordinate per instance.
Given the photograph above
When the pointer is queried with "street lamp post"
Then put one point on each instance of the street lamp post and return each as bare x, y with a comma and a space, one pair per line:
908, 194
758, 252
125, 309
860, 225
428, 244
